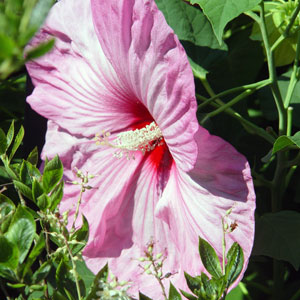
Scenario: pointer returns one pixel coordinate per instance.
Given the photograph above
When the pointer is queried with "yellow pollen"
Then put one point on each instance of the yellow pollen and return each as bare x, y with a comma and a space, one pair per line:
144, 140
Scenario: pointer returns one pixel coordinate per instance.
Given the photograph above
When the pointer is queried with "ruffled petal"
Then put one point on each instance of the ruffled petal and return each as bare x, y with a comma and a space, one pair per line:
148, 58
75, 85
220, 181
128, 232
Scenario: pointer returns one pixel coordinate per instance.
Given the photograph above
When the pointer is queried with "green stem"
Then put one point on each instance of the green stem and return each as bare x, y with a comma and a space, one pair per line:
73, 265
256, 86
292, 21
294, 75
244, 290
249, 126
78, 205
289, 121
227, 105
272, 73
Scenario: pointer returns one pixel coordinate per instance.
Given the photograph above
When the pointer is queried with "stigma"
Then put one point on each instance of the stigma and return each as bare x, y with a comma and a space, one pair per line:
128, 142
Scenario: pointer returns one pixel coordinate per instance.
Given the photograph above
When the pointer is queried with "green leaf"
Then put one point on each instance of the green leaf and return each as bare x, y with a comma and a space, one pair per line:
284, 53
23, 189
220, 12
188, 296
56, 195
7, 46
235, 262
80, 235
37, 189
3, 142
28, 172
7, 208
195, 33
21, 231
42, 272
277, 236
64, 280
10, 133
39, 246
102, 275
33, 156
85, 273
193, 282
17, 143
285, 141
16, 285
9, 253
210, 259
52, 174
43, 201
8, 273
143, 297
173, 293
40, 50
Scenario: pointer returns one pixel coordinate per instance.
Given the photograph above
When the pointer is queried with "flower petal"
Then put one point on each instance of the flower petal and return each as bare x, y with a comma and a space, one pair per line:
75, 85
220, 181
148, 58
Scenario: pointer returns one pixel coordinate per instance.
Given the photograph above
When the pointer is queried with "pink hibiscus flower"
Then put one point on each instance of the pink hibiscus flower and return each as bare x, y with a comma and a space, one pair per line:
118, 67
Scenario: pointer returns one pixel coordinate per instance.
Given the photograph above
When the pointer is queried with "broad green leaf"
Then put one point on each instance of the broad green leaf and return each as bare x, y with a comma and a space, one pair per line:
28, 172
40, 50
81, 235
8, 273
220, 12
102, 275
33, 156
3, 142
235, 294
6, 205
21, 231
9, 253
209, 258
85, 273
277, 236
173, 293
56, 195
52, 174
285, 53
285, 141
42, 272
17, 142
143, 297
235, 262
195, 33
23, 189
7, 208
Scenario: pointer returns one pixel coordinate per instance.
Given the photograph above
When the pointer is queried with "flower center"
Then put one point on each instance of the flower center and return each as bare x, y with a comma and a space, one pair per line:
144, 140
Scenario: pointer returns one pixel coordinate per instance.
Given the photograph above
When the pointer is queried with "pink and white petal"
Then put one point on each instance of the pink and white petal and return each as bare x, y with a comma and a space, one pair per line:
128, 232
220, 181
75, 84
147, 56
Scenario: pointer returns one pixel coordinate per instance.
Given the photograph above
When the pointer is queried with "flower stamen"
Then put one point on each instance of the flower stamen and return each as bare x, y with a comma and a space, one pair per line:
144, 140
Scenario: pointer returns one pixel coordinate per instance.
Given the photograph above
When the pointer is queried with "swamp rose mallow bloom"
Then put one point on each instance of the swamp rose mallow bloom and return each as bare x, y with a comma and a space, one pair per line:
118, 92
